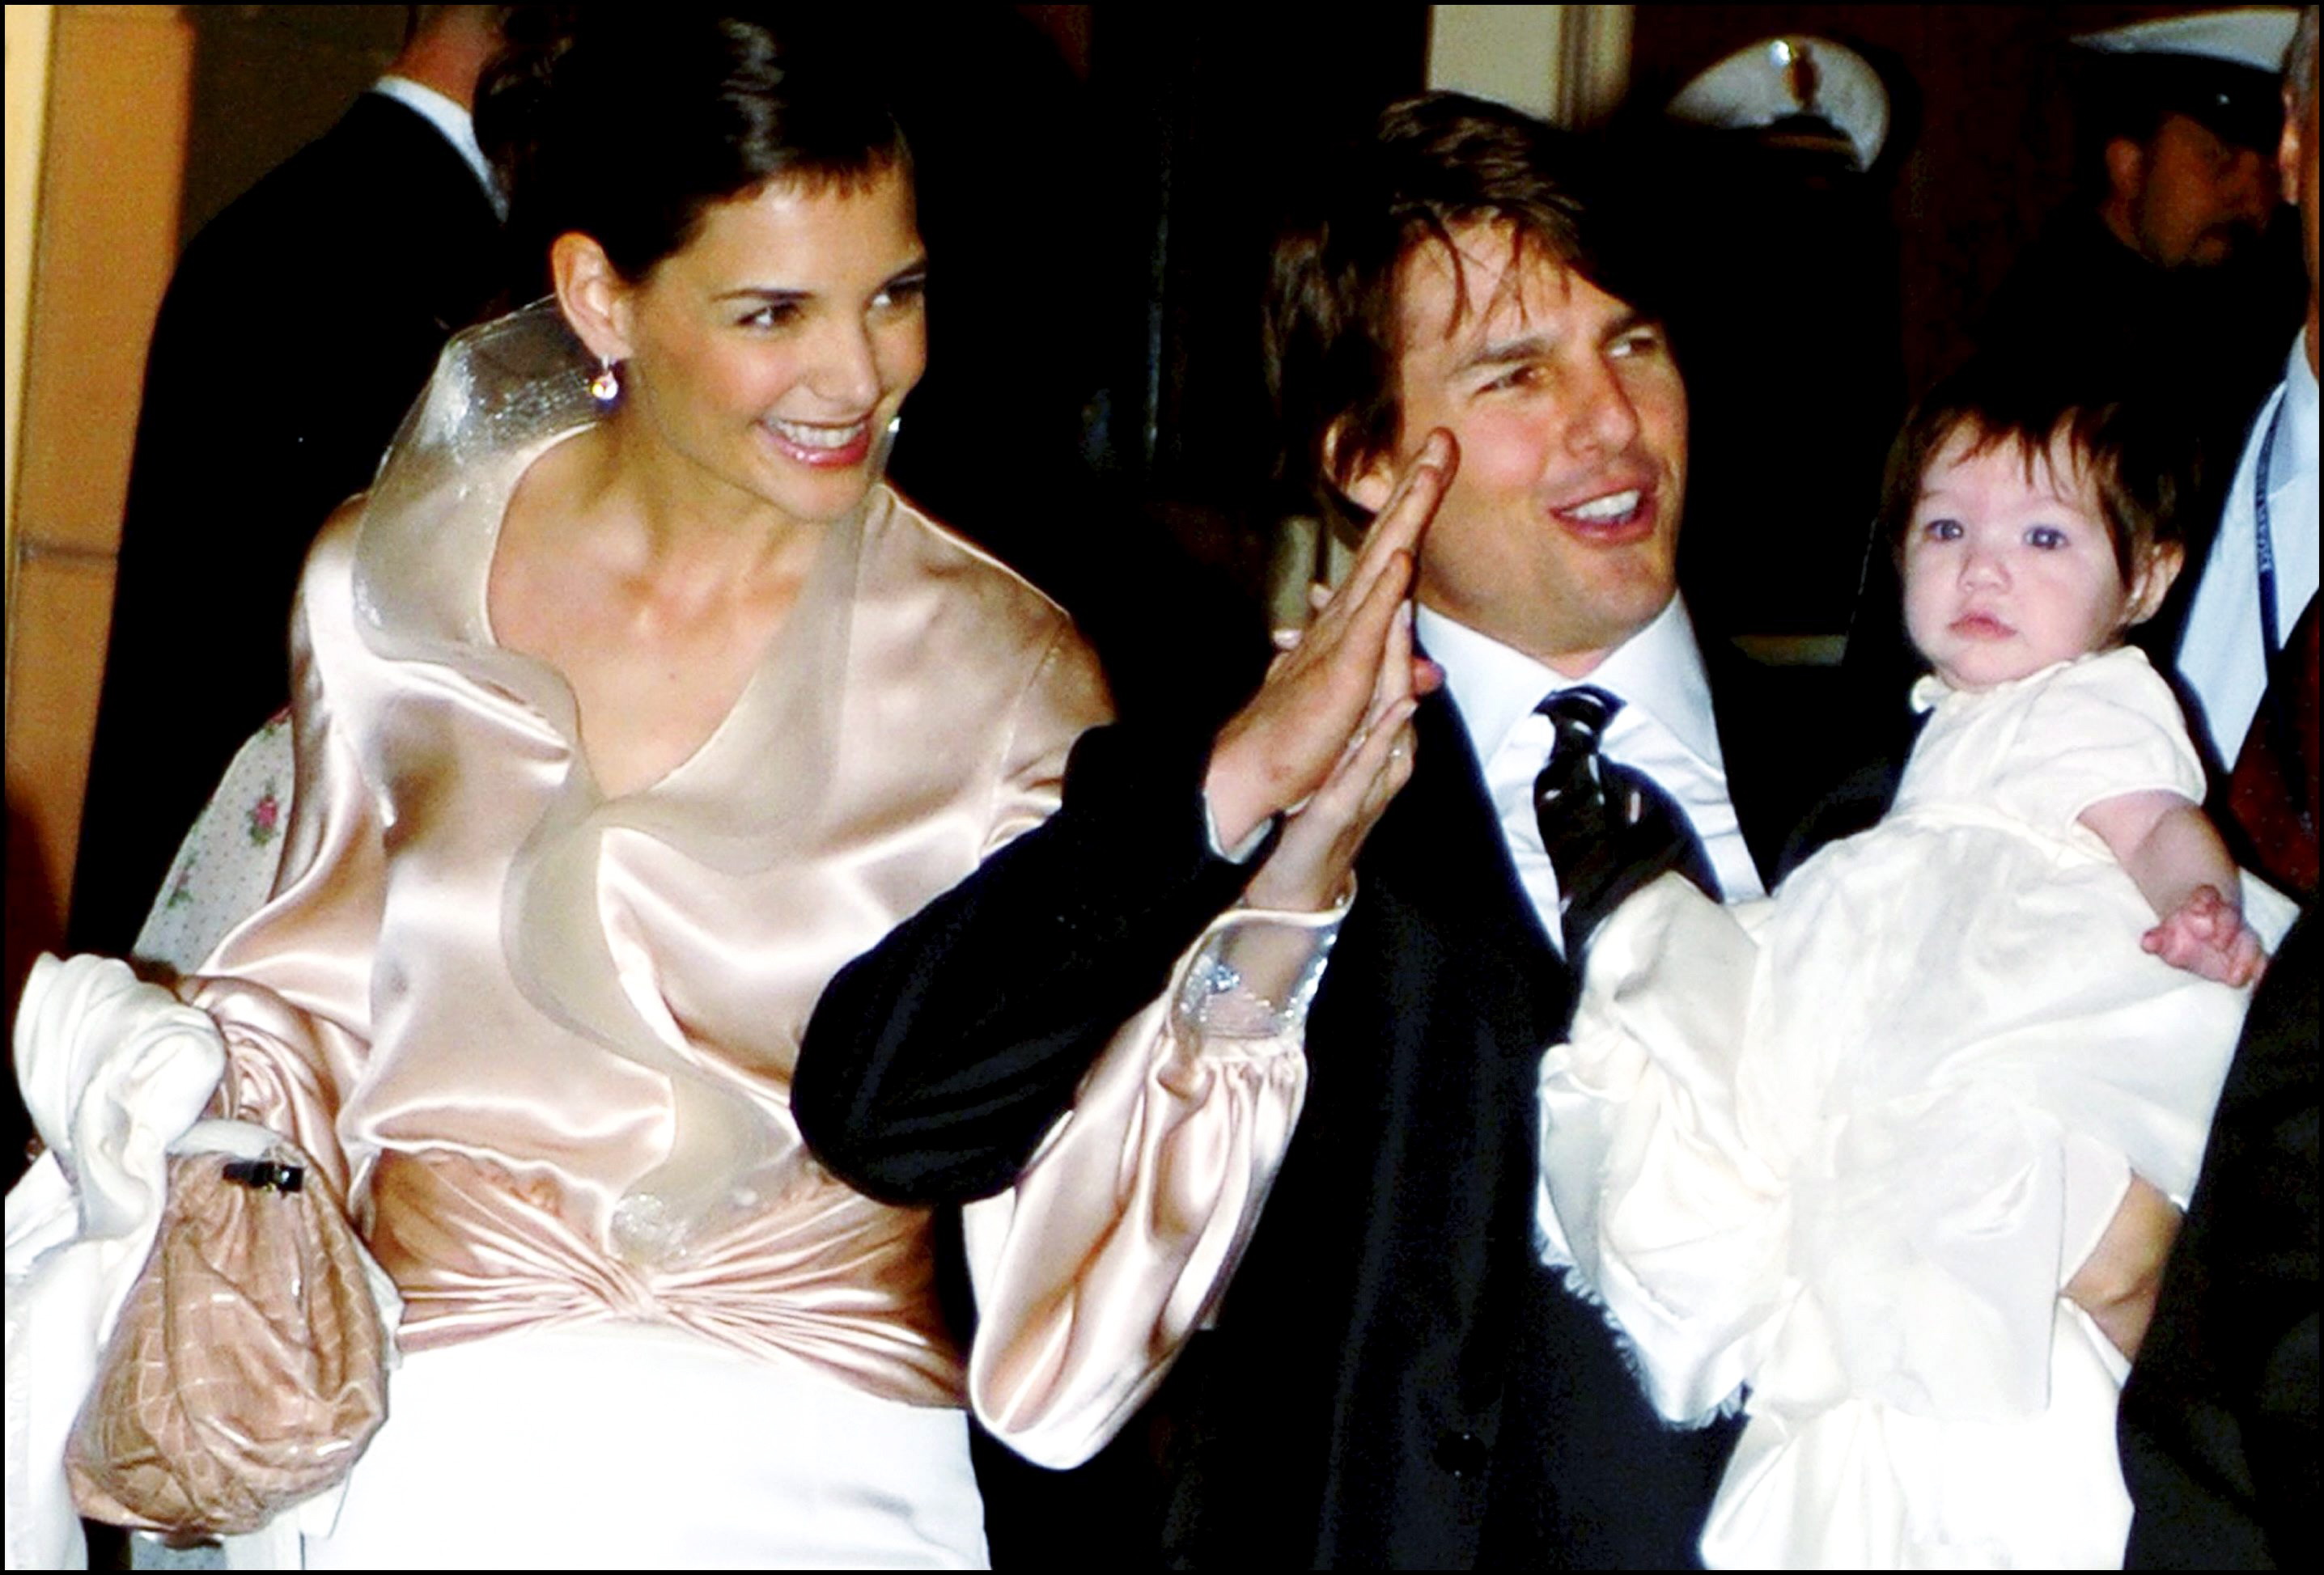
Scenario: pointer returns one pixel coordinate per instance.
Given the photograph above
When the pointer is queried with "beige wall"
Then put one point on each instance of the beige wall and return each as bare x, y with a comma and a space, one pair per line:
101, 252
1569, 64
28, 103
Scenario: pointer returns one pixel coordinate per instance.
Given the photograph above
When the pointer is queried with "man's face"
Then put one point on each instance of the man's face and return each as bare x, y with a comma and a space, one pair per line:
2295, 162
2192, 199
1559, 535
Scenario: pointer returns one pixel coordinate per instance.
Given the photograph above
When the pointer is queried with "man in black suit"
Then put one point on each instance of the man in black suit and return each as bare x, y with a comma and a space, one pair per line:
1394, 1377
299, 327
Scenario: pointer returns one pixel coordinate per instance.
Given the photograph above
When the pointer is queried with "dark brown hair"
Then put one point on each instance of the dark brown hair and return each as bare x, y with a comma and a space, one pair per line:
1429, 166
2137, 454
628, 125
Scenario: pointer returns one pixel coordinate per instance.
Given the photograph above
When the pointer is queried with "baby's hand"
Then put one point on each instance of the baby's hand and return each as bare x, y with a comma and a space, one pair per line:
2207, 934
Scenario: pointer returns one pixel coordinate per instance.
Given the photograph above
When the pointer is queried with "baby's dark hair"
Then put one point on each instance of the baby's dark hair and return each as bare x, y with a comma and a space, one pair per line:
2140, 461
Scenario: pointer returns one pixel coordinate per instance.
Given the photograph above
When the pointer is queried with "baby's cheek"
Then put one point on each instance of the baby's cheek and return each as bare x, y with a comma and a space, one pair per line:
1922, 599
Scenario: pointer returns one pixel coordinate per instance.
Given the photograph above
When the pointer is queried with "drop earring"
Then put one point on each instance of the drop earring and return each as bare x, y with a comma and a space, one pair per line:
606, 386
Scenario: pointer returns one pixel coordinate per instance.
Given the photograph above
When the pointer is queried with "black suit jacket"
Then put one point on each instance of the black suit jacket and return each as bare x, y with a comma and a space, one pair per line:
2218, 1422
1394, 1379
299, 327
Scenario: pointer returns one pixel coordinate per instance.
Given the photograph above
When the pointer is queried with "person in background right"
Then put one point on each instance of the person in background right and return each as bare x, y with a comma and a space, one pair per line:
2251, 630
2164, 279
2218, 1423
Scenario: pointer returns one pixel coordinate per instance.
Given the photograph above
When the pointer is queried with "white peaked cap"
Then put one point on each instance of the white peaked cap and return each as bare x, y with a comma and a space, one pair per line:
2255, 36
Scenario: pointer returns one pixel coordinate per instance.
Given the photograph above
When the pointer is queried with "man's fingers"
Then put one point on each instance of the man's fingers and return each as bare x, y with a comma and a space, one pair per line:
1382, 749
1394, 767
1362, 640
1393, 680
1399, 525
1397, 528
1363, 744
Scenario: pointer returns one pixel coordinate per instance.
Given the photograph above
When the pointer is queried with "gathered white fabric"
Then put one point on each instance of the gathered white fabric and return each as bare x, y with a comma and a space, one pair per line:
642, 1446
1822, 1145
113, 1071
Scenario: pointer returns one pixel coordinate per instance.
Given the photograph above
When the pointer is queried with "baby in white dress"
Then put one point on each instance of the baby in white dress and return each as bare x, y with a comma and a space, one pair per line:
1841, 1154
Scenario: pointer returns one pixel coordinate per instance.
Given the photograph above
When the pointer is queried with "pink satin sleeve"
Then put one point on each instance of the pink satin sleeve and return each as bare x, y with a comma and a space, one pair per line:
289, 986
1118, 1239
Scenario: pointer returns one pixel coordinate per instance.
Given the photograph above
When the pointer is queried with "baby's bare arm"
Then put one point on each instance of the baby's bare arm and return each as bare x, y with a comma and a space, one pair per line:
2118, 1284
2174, 853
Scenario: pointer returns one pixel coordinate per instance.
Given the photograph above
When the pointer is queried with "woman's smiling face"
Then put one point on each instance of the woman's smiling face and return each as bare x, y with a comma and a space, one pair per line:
770, 355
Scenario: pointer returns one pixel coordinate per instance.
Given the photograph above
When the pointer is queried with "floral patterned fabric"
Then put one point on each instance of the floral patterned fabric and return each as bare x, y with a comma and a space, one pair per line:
226, 867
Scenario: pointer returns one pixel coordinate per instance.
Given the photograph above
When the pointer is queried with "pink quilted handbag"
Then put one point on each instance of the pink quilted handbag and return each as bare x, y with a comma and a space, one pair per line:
248, 1368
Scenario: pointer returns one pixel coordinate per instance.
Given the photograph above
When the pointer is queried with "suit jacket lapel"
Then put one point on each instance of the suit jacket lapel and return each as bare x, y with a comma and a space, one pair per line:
1749, 732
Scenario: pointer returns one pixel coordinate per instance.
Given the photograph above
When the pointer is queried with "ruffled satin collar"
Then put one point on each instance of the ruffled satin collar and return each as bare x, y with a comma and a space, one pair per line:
750, 797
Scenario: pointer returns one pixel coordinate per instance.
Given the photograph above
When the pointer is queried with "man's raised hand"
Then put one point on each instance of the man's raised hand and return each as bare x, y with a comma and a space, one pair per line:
1329, 731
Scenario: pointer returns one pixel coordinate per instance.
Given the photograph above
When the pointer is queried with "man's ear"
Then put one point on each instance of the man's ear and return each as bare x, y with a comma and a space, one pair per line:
2153, 582
1370, 487
593, 297
2126, 168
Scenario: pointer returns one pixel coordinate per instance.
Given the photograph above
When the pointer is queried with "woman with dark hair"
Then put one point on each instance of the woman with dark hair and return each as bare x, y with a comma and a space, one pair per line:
631, 704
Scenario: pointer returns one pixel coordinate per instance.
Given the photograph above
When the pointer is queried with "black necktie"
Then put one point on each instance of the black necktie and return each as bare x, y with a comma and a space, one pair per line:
1609, 829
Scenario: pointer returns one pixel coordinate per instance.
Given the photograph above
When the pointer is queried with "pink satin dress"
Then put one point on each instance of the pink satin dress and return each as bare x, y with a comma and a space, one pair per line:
540, 1039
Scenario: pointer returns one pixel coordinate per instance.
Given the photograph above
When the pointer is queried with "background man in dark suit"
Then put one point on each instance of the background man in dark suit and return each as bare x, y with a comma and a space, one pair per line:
298, 327
2164, 280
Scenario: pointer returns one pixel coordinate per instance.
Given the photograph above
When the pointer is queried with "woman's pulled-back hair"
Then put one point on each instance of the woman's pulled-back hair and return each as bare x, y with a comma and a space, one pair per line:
628, 125
2141, 462
1429, 166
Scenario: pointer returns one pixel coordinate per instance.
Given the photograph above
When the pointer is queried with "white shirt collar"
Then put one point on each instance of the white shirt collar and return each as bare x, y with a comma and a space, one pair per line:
1657, 671
457, 124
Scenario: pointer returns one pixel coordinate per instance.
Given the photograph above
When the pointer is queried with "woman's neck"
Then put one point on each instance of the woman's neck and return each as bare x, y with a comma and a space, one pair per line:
675, 525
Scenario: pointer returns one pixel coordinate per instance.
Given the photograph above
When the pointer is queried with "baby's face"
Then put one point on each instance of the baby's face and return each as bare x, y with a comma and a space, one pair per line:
2007, 573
